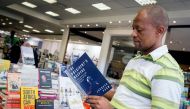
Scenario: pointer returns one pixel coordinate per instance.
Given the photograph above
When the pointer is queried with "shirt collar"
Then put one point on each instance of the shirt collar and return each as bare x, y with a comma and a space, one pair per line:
157, 53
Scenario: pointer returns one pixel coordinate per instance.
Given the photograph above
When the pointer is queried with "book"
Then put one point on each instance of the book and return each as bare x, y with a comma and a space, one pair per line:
11, 106
27, 55
4, 67
44, 104
4, 64
49, 91
28, 97
48, 96
75, 102
14, 81
45, 81
63, 70
29, 76
87, 77
51, 65
66, 90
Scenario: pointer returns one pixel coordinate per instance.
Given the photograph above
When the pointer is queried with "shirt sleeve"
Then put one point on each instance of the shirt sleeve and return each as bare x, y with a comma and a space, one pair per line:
166, 88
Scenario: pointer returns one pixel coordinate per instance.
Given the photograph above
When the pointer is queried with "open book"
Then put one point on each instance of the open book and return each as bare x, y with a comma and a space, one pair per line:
87, 77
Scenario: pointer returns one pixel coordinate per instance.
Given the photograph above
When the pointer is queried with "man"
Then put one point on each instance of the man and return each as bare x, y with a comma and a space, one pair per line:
153, 80
9, 42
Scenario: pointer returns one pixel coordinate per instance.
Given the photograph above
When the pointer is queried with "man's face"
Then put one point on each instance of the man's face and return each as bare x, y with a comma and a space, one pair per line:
144, 33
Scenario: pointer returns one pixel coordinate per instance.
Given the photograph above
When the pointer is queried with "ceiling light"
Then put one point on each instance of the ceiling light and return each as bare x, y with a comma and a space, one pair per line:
26, 31
101, 6
129, 21
52, 13
36, 31
3, 23
28, 26
174, 21
62, 30
146, 2
88, 25
80, 25
20, 21
85, 32
111, 22
72, 10
50, 1
10, 23
28, 4
183, 49
49, 31
171, 42
103, 32
96, 24
74, 25
67, 26
119, 21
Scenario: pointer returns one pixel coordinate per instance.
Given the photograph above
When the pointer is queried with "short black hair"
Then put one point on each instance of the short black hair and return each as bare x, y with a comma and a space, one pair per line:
13, 32
157, 14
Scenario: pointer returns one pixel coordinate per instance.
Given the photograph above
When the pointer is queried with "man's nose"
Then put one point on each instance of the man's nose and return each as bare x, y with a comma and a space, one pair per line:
134, 33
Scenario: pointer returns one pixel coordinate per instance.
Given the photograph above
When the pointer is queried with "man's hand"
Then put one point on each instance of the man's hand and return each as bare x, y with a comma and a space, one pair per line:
98, 102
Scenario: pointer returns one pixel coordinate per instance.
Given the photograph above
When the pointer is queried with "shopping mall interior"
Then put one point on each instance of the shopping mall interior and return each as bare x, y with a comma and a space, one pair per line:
62, 30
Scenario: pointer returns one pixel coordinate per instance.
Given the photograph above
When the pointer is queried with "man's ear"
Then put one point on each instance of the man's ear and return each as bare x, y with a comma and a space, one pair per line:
161, 30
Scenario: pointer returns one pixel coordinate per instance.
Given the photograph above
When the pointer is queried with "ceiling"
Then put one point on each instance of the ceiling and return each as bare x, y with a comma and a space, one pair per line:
122, 10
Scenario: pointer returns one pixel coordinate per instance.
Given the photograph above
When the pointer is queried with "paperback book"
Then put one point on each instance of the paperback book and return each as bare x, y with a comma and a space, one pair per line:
4, 67
45, 81
44, 104
28, 97
27, 55
14, 81
87, 77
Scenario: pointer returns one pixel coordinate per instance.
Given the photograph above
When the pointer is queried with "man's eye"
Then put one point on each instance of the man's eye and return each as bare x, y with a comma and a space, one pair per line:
139, 30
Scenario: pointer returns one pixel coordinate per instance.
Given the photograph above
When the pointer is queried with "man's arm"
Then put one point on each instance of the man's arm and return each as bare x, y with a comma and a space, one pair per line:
166, 89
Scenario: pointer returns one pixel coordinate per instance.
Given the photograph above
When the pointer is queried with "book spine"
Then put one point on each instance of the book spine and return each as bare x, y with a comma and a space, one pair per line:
47, 93
48, 97
13, 105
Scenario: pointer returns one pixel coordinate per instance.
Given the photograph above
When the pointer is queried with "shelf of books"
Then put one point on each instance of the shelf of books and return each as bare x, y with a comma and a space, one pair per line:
185, 99
27, 87
57, 86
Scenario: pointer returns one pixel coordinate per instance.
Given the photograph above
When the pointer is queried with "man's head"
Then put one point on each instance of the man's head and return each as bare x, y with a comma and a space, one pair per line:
13, 33
149, 27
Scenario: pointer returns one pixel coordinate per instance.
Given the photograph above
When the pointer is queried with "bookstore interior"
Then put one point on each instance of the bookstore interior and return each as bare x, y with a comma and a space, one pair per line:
55, 52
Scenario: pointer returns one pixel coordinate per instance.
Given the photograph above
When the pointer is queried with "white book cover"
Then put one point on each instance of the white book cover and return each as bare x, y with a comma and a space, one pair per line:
27, 55
29, 76
75, 102
66, 88
55, 82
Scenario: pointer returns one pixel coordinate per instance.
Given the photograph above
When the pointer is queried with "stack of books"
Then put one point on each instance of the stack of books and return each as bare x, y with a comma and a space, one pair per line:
13, 100
4, 68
